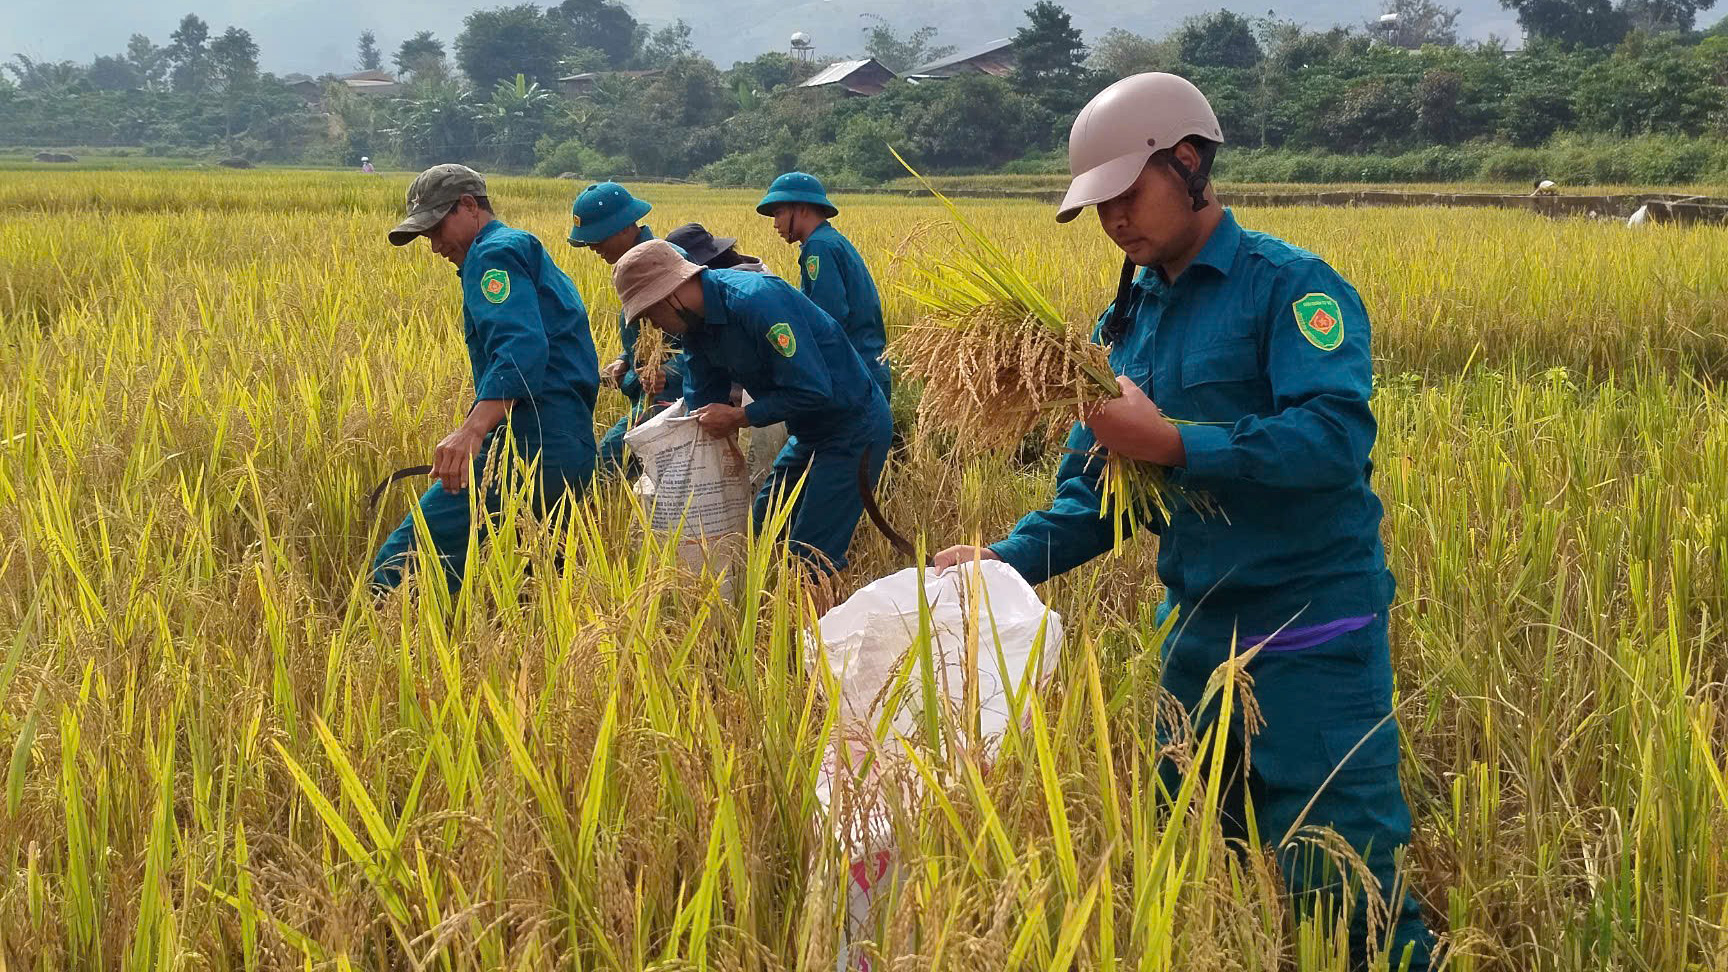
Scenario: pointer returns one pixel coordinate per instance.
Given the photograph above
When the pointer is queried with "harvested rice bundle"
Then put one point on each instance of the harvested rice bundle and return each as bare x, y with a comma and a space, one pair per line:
993, 368
996, 358
651, 355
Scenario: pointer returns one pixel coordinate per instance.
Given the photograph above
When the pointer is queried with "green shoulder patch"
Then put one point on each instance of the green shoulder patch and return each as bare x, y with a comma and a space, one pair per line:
812, 266
1320, 321
495, 286
780, 335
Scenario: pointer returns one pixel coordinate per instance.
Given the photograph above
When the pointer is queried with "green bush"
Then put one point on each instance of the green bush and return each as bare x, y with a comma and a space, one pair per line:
573, 156
1650, 160
754, 169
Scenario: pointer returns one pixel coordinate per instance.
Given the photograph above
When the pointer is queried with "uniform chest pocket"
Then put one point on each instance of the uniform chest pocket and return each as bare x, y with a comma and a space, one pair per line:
1231, 359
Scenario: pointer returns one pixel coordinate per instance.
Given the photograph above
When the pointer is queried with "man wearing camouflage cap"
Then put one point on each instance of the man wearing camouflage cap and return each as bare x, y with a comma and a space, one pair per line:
1260, 353
533, 363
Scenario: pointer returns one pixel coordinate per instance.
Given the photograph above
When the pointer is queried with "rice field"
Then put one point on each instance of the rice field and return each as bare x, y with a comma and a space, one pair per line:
217, 756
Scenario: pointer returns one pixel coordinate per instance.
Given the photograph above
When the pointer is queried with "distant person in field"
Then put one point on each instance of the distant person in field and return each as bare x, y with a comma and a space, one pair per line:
533, 363
831, 271
607, 219
701, 246
366, 166
756, 331
1546, 187
1263, 350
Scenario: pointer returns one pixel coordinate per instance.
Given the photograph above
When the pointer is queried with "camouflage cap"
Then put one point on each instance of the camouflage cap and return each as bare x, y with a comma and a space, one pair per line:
432, 195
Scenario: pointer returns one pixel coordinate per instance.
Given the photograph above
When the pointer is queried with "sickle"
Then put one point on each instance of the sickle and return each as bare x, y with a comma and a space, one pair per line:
901, 545
390, 480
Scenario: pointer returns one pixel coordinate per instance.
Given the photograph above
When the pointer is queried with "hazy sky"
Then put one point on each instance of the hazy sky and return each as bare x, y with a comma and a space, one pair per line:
316, 36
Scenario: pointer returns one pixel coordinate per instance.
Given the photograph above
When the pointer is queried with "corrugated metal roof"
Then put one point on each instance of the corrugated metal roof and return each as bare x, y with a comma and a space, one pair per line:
948, 63
835, 72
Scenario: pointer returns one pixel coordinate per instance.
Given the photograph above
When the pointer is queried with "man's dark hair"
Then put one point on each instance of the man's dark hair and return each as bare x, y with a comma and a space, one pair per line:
725, 260
484, 202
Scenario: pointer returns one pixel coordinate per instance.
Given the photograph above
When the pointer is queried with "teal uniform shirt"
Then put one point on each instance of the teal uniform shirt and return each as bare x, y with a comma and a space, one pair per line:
833, 275
528, 339
1266, 348
790, 356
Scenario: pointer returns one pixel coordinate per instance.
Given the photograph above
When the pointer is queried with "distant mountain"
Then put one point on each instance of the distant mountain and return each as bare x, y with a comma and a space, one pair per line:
741, 29
317, 36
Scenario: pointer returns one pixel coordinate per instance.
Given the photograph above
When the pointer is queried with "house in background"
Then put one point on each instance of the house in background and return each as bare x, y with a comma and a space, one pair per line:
576, 85
995, 59
365, 84
371, 84
310, 89
863, 77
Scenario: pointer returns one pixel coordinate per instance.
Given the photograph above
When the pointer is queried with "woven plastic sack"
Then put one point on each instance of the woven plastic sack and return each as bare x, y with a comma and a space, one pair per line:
866, 643
698, 485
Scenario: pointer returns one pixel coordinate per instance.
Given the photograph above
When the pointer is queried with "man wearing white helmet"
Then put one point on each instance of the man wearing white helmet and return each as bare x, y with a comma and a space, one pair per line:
1265, 350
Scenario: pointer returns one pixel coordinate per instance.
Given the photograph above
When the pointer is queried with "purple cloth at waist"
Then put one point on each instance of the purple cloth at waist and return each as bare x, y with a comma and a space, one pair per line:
1296, 639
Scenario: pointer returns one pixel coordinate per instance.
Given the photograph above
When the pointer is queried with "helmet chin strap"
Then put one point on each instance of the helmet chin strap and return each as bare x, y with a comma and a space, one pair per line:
1117, 327
1194, 179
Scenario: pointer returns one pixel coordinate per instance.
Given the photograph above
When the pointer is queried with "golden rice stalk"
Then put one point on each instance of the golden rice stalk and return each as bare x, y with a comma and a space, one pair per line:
996, 359
651, 354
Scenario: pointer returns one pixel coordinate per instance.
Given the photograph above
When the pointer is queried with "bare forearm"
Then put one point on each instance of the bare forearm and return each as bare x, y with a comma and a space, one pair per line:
486, 414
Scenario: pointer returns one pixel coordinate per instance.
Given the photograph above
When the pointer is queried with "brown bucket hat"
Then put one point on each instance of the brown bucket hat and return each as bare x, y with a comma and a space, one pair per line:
648, 274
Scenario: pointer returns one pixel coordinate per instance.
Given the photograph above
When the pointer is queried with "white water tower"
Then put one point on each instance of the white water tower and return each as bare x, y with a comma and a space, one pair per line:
803, 48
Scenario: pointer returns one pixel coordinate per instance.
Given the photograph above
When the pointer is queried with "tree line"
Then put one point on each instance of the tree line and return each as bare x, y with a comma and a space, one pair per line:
1298, 100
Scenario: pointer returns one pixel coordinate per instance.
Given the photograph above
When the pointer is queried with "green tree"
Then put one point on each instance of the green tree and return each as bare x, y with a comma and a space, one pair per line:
1051, 55
602, 25
515, 118
46, 79
1651, 85
583, 60
420, 55
1373, 116
973, 121
498, 44
367, 57
1663, 16
435, 122
150, 61
189, 55
1439, 115
1538, 98
901, 54
1579, 23
668, 44
770, 72
234, 69
1220, 39
114, 74
1120, 53
233, 60
1419, 23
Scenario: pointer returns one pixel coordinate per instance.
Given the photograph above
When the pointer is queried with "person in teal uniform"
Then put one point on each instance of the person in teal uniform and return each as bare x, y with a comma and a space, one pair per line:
533, 362
1263, 350
755, 331
607, 219
831, 272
